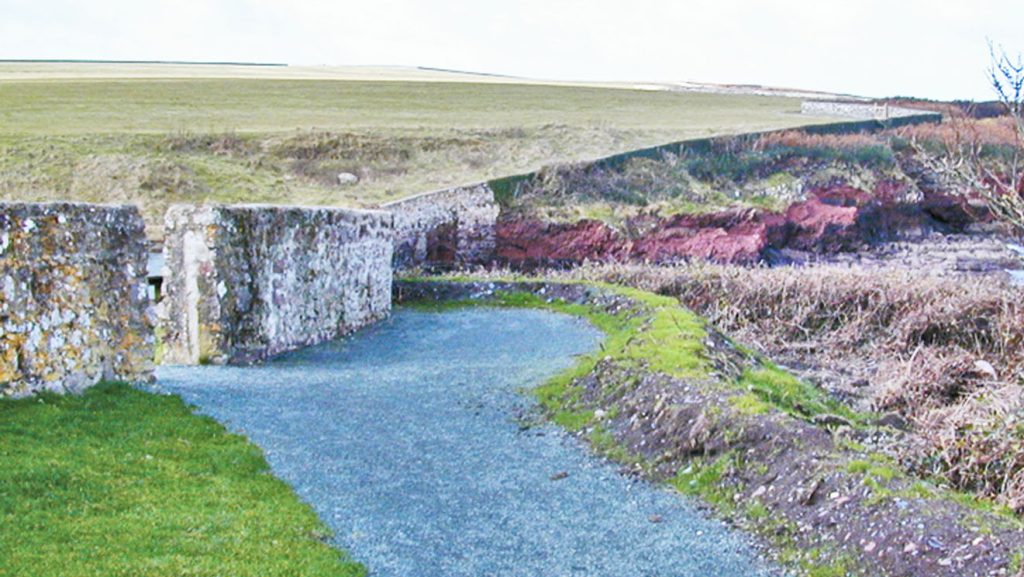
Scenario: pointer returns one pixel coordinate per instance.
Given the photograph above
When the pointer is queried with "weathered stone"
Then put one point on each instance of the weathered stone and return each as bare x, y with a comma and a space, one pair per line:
346, 178
860, 109
247, 282
73, 302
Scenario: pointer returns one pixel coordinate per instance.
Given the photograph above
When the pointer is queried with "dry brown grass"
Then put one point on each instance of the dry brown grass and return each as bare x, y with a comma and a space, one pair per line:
946, 353
950, 134
801, 139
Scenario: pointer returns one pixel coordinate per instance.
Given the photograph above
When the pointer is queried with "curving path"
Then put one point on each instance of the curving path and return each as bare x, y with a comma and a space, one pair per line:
404, 441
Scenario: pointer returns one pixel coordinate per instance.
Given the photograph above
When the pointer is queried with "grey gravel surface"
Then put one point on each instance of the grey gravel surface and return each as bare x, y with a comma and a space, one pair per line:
404, 440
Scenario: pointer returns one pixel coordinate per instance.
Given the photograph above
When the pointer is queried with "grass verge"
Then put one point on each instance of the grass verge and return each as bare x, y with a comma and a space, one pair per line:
663, 338
120, 482
666, 338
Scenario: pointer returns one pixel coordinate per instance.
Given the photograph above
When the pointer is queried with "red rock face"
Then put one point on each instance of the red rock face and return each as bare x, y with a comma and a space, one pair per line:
815, 225
835, 219
721, 237
534, 241
841, 195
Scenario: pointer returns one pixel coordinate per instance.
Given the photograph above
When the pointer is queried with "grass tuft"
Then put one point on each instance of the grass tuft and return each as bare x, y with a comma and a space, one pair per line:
798, 398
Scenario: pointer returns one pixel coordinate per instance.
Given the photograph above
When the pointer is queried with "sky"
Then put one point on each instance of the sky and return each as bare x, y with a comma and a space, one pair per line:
924, 48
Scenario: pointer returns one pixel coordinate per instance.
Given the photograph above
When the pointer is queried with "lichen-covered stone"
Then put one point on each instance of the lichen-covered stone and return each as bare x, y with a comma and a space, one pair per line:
453, 226
73, 302
247, 282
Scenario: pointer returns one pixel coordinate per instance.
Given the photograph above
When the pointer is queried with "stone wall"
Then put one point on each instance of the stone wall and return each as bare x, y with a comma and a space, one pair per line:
452, 226
73, 303
248, 282
861, 110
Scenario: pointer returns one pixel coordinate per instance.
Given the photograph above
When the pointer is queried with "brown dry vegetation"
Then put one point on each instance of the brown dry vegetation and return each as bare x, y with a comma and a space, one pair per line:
801, 139
988, 131
945, 353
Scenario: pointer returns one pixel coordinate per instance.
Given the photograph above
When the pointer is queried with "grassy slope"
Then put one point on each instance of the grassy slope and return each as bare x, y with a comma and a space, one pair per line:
767, 173
106, 140
119, 482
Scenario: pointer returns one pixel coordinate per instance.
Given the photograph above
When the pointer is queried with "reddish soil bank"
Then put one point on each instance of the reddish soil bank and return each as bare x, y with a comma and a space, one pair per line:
833, 220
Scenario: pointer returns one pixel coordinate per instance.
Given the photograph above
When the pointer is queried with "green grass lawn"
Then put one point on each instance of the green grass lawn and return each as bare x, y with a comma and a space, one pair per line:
157, 141
120, 482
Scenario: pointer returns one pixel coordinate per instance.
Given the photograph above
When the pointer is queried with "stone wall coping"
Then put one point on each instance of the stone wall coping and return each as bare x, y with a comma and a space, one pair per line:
284, 207
57, 204
430, 193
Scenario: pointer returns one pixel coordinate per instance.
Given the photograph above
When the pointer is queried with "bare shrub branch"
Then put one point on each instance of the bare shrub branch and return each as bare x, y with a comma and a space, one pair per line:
965, 161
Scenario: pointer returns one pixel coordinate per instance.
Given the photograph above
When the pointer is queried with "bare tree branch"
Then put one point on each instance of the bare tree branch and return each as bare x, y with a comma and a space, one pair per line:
962, 161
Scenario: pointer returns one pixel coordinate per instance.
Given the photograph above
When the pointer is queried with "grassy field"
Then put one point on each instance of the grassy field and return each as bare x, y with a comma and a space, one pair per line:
156, 135
88, 106
122, 483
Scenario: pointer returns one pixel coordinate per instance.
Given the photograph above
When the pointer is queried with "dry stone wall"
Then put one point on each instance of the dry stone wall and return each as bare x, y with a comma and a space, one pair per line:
73, 303
248, 282
862, 110
453, 226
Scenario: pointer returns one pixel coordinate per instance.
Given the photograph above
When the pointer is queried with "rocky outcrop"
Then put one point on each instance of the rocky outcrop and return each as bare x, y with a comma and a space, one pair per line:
73, 302
833, 220
531, 241
731, 236
248, 282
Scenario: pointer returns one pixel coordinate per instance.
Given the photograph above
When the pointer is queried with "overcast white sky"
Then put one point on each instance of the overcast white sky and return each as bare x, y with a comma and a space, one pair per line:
927, 48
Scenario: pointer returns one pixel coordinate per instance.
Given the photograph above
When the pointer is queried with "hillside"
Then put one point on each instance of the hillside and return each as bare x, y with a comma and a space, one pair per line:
190, 133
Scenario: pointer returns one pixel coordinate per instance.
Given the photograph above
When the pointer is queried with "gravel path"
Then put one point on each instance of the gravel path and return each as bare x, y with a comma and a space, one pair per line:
403, 440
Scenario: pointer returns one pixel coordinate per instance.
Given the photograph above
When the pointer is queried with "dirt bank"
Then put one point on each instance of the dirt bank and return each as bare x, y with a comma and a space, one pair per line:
832, 221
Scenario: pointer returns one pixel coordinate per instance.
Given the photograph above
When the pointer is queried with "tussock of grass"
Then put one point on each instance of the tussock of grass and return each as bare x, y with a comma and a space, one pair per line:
703, 477
119, 482
749, 404
605, 444
876, 470
798, 398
